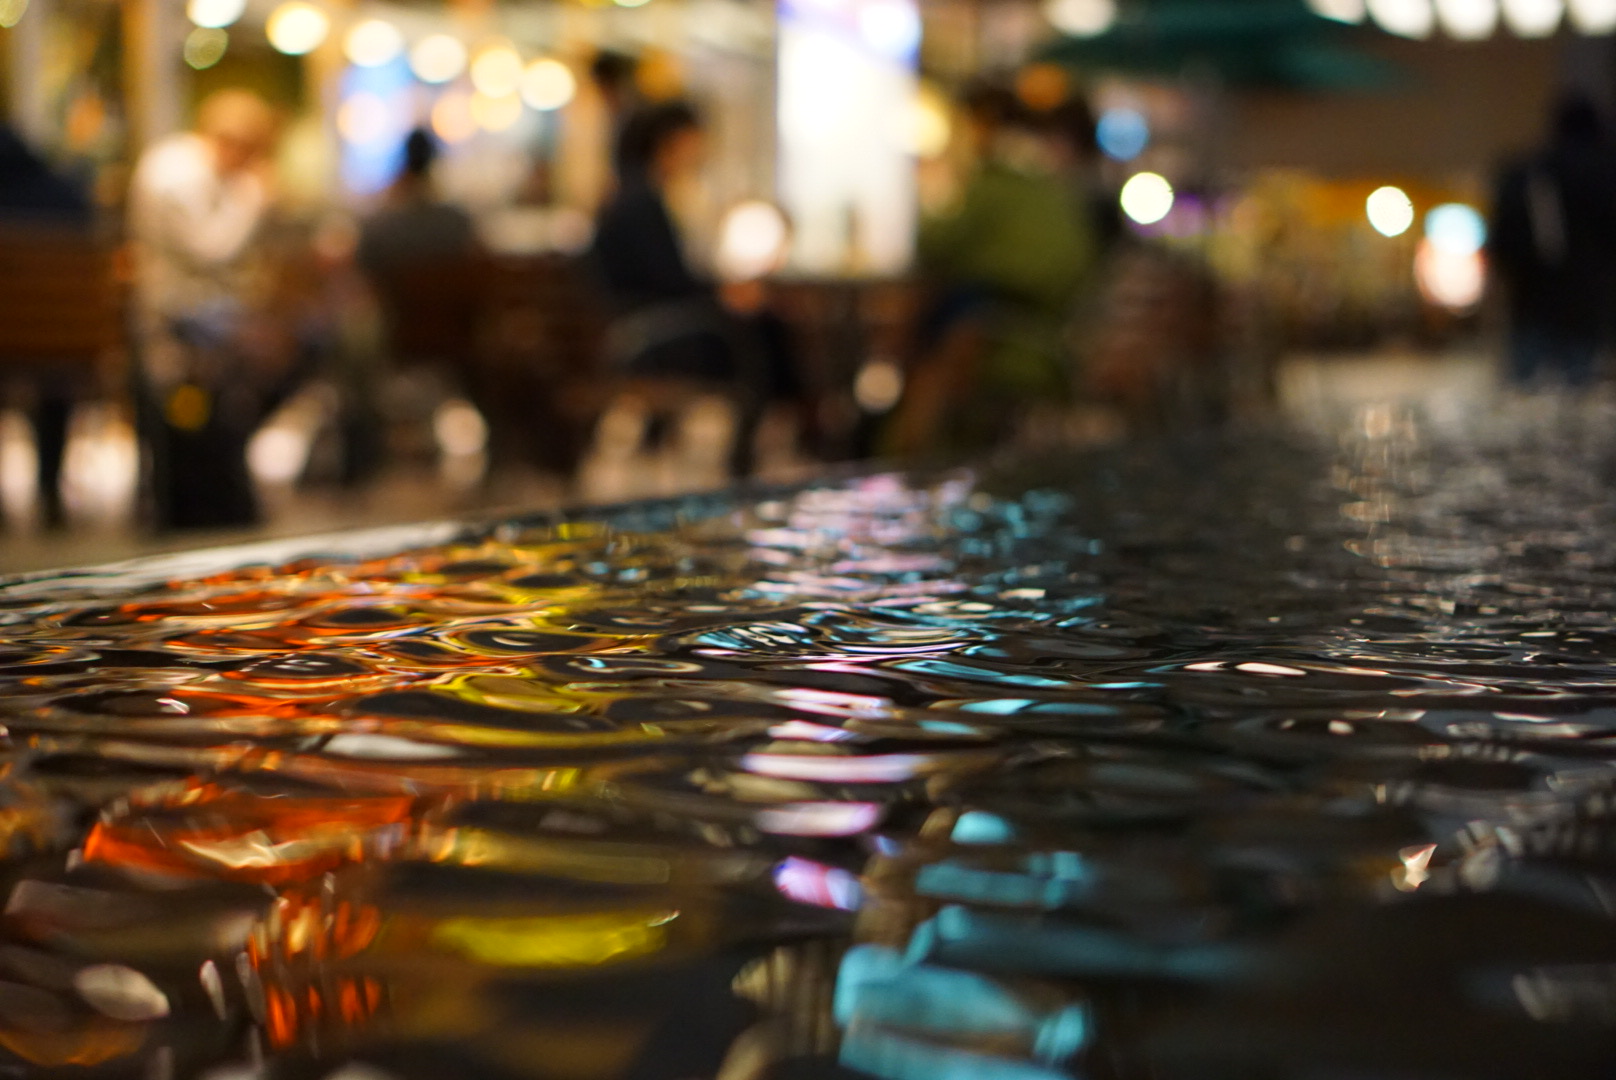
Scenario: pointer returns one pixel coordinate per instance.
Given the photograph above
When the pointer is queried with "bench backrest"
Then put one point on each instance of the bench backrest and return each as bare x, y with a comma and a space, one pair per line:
60, 297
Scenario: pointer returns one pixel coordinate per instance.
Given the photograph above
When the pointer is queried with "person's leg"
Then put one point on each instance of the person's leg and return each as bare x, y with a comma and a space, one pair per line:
1526, 354
51, 413
936, 386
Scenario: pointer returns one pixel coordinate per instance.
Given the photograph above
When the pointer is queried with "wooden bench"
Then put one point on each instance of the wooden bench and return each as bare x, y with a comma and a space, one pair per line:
62, 304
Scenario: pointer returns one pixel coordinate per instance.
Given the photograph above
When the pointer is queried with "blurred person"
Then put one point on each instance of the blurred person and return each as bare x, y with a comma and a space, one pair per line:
1552, 244
198, 206
1006, 263
1077, 151
612, 74
414, 226
33, 196
669, 321
426, 267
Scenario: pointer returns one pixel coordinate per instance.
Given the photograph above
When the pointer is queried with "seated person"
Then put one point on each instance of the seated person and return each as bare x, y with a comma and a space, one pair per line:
669, 321
1007, 262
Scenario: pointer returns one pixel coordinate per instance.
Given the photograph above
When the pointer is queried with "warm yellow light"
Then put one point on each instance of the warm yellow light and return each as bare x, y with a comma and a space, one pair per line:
438, 58
1533, 18
1390, 211
11, 12
632, 3
496, 113
373, 43
930, 127
1405, 18
1147, 198
205, 46
548, 84
1081, 18
496, 71
215, 14
1468, 20
297, 27
452, 120
557, 941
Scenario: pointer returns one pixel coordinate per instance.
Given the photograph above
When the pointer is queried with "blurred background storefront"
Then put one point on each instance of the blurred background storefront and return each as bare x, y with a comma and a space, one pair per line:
1285, 179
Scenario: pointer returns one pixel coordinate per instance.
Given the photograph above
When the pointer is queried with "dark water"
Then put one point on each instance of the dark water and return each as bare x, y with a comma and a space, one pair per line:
1253, 759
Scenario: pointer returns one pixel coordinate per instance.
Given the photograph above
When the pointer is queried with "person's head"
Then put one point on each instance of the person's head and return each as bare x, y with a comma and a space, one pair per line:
613, 75
988, 108
239, 125
660, 142
1577, 119
1072, 124
420, 152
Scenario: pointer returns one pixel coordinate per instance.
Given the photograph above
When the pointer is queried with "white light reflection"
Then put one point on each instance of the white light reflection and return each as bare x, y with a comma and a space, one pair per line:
1405, 18
876, 769
1342, 11
803, 729
438, 58
1415, 870
1593, 16
809, 882
1468, 20
1257, 668
1533, 18
1147, 198
548, 84
296, 28
890, 27
496, 71
1390, 211
369, 746
1081, 18
215, 14
819, 818
752, 241
121, 993
373, 43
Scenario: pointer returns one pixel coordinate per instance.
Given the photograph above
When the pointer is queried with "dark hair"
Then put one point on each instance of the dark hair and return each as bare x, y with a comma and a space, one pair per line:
647, 131
990, 103
420, 151
612, 71
1072, 121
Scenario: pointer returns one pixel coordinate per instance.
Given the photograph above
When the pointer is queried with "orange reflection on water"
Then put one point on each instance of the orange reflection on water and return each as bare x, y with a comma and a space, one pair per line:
239, 836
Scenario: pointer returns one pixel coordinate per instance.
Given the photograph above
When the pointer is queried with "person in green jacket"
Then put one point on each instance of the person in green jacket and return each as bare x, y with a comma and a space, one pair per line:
1007, 263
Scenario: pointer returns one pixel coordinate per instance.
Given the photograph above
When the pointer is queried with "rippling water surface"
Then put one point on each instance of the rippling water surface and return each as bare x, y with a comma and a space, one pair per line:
1251, 759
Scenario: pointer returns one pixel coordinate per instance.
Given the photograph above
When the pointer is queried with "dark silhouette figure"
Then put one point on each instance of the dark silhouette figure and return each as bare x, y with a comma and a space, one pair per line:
1553, 247
668, 320
33, 196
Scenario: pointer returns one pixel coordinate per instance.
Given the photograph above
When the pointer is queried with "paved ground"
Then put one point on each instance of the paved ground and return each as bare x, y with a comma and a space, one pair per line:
101, 466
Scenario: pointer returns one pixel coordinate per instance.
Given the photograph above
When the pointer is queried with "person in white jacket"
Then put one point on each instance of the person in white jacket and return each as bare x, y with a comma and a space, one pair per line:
198, 203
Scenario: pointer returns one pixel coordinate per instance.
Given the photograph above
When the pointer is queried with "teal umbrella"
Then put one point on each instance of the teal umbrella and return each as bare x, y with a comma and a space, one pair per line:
1244, 42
